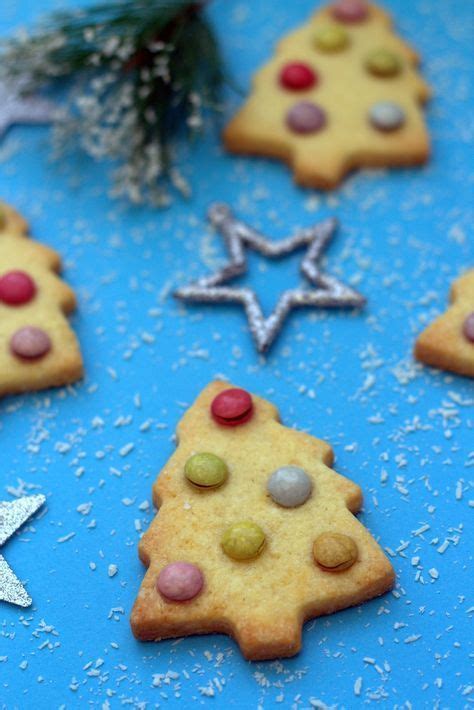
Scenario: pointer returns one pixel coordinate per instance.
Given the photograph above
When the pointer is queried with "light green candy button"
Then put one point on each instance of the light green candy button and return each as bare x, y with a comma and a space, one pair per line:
243, 540
331, 38
206, 470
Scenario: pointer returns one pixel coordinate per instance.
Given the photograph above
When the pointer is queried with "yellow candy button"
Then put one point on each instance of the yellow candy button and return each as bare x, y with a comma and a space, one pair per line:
243, 541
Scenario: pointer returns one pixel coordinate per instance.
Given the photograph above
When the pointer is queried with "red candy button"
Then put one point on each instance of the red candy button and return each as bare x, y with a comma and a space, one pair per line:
16, 288
232, 407
297, 76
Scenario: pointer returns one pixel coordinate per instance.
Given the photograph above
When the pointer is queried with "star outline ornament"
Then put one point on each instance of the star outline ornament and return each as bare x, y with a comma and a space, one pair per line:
13, 515
19, 109
327, 291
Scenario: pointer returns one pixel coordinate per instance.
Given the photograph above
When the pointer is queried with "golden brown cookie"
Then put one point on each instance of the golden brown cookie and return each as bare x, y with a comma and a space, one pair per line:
232, 550
38, 349
11, 221
341, 92
448, 343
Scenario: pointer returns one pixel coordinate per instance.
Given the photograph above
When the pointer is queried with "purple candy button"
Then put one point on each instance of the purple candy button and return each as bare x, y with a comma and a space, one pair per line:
30, 343
306, 117
180, 581
468, 328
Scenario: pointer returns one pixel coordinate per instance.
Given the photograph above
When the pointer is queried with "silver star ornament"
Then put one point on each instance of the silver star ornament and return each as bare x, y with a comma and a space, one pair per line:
18, 109
14, 514
326, 292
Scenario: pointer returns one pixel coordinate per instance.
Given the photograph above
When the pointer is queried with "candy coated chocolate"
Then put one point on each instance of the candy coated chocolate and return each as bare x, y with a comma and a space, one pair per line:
350, 10
331, 38
334, 552
16, 288
30, 343
297, 76
180, 581
206, 470
243, 540
306, 117
290, 486
383, 63
232, 407
386, 116
468, 328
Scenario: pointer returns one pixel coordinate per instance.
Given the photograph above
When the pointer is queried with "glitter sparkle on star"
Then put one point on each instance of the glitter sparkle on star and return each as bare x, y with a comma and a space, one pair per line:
14, 514
326, 291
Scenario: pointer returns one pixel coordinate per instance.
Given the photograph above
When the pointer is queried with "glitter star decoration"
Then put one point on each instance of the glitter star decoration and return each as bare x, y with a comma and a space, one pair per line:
326, 292
14, 514
18, 109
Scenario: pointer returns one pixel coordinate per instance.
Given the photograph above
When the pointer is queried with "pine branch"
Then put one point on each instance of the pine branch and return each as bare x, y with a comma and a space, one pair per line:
140, 73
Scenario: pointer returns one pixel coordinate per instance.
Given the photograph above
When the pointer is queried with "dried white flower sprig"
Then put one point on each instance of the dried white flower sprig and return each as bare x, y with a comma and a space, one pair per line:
140, 74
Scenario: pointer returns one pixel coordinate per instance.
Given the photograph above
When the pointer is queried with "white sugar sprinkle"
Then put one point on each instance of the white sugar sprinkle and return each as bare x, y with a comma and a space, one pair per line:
358, 686
125, 450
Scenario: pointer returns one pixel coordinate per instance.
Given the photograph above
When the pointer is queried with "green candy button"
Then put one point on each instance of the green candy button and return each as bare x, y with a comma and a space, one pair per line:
382, 62
331, 38
243, 541
206, 470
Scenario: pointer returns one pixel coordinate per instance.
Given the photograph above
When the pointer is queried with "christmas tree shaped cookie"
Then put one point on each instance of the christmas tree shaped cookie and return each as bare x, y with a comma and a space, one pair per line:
448, 343
255, 532
341, 92
37, 347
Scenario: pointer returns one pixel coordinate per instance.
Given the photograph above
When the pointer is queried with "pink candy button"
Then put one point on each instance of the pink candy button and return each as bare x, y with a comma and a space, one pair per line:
468, 328
306, 117
180, 581
350, 10
30, 343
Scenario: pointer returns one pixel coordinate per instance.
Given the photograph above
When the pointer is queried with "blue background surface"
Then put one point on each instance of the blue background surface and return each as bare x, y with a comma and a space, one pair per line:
401, 431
